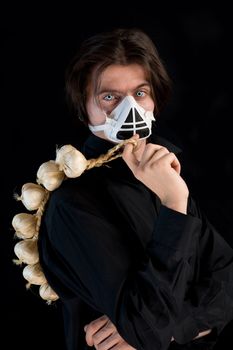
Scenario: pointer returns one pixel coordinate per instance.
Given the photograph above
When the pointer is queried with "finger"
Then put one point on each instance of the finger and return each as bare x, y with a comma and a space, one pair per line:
135, 137
110, 341
152, 152
173, 161
129, 157
133, 155
93, 327
95, 323
104, 333
139, 149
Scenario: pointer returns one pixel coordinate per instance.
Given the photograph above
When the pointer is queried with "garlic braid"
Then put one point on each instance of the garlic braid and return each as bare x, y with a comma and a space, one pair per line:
69, 163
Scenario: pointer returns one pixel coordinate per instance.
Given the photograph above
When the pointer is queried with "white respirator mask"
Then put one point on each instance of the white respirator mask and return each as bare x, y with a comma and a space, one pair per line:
126, 120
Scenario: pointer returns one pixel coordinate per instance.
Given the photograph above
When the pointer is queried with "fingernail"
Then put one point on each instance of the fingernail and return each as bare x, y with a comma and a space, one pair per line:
85, 328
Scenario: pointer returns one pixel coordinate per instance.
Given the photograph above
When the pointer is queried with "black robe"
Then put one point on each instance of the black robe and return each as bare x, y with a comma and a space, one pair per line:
108, 246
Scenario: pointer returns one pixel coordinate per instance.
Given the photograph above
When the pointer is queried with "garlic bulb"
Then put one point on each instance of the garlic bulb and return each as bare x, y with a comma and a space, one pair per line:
32, 195
24, 225
71, 161
47, 293
49, 175
34, 274
27, 251
60, 152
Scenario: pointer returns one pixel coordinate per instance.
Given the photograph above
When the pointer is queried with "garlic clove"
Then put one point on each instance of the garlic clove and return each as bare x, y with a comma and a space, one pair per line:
49, 175
24, 225
47, 293
32, 195
34, 274
27, 251
60, 152
71, 161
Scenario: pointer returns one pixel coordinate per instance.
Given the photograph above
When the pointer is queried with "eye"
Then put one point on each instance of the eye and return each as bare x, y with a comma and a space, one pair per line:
140, 93
109, 97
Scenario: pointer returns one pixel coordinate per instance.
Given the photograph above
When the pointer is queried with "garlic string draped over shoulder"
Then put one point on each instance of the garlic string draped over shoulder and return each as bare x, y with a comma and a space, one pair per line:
69, 163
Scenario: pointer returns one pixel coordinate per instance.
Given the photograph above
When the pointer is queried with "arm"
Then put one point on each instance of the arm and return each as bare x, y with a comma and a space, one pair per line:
103, 334
142, 303
211, 284
205, 306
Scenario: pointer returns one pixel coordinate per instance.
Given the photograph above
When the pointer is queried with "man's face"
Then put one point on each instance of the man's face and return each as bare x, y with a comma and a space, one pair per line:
116, 82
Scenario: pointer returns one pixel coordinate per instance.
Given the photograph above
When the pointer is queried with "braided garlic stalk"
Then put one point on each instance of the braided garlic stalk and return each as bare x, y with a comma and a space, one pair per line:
69, 163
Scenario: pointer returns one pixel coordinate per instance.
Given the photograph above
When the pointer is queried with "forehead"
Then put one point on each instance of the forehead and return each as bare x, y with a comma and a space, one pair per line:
122, 78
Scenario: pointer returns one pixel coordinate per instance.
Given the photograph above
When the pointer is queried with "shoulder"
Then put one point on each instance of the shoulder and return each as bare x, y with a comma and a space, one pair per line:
70, 193
76, 194
160, 140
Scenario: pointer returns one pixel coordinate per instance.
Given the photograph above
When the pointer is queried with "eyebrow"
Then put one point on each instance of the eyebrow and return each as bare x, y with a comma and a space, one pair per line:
105, 90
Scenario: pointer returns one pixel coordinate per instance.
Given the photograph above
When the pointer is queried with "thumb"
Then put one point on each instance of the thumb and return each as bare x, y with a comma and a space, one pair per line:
129, 157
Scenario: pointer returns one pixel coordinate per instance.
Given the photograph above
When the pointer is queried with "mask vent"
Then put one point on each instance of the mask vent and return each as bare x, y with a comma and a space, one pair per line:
134, 124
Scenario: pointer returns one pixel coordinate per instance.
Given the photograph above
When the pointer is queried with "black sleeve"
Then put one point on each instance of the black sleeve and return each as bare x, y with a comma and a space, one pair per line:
144, 304
208, 301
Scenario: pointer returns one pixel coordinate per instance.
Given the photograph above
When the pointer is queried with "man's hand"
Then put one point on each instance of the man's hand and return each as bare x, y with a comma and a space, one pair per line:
103, 335
159, 170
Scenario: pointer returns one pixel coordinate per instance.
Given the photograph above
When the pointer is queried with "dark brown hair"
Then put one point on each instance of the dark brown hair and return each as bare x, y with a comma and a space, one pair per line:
120, 46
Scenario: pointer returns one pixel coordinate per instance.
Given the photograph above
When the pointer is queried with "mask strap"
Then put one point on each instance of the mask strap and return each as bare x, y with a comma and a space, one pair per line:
97, 127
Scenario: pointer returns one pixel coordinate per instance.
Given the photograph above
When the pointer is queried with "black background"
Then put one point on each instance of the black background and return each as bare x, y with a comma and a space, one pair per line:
36, 45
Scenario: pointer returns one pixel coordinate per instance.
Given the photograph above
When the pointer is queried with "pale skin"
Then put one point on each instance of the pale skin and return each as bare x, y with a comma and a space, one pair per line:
152, 164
